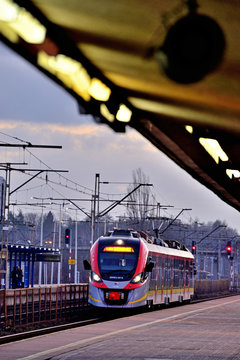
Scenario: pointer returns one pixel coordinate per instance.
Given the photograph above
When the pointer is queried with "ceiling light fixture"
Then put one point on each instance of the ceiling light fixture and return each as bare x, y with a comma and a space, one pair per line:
98, 90
214, 149
124, 114
189, 128
233, 173
22, 22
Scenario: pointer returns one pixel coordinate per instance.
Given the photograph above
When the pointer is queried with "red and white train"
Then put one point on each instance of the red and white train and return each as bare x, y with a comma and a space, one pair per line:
128, 270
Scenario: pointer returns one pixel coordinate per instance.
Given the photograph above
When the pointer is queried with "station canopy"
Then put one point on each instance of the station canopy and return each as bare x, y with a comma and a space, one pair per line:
169, 69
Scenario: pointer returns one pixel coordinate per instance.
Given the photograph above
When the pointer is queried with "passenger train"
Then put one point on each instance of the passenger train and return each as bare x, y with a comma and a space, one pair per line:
128, 269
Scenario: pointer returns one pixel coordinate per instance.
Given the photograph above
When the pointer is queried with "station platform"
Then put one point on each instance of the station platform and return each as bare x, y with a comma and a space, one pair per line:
207, 330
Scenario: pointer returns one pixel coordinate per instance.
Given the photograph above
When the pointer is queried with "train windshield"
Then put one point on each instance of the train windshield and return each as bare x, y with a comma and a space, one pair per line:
117, 262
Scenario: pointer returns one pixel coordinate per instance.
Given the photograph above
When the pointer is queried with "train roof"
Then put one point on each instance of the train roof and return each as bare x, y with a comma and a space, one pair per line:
168, 247
170, 251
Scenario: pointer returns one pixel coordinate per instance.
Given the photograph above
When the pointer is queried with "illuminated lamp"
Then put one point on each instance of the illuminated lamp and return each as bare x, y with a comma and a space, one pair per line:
69, 71
233, 173
126, 249
194, 247
229, 248
25, 25
43, 61
214, 149
106, 113
65, 64
119, 242
124, 114
189, 129
81, 82
8, 33
193, 47
98, 90
8, 10
16, 21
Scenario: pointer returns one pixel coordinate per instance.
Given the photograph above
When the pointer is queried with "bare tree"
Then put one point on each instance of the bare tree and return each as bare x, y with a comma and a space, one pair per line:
141, 197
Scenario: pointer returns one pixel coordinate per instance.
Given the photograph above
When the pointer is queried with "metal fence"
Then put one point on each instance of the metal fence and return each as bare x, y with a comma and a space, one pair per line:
210, 288
32, 306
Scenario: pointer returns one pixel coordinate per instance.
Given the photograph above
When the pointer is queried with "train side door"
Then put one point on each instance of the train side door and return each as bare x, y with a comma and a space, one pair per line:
181, 277
187, 277
159, 281
167, 279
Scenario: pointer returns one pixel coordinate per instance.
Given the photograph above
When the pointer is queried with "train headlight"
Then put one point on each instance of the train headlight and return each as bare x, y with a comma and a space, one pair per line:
137, 279
95, 277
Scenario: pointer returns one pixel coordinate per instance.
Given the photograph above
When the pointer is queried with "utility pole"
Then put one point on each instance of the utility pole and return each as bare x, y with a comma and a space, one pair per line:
219, 260
53, 246
59, 245
76, 254
8, 167
94, 205
5, 225
219, 250
41, 244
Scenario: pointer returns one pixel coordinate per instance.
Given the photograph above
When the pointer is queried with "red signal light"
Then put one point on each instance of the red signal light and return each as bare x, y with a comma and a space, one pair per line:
67, 236
229, 248
194, 247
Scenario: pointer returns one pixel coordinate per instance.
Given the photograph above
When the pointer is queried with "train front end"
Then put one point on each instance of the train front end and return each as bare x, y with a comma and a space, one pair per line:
118, 277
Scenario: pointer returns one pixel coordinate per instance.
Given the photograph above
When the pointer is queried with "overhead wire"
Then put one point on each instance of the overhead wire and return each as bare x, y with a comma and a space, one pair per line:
75, 187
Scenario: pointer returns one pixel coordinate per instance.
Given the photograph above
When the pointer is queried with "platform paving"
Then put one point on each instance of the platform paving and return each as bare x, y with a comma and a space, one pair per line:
203, 331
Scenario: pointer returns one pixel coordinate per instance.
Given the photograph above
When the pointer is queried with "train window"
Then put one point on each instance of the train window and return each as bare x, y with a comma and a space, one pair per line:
176, 273
159, 274
167, 273
191, 274
181, 273
118, 266
118, 262
153, 274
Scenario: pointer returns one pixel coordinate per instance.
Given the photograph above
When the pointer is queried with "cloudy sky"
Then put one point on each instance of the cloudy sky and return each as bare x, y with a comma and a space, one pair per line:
35, 109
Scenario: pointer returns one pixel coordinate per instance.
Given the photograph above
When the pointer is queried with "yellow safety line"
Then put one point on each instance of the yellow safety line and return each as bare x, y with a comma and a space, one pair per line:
132, 302
95, 299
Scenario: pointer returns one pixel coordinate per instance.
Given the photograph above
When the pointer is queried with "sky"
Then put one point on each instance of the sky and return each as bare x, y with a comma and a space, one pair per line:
35, 109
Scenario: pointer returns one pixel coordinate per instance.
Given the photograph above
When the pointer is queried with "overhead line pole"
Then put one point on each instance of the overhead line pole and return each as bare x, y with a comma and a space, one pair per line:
33, 177
174, 219
219, 226
5, 219
73, 203
104, 212
78, 208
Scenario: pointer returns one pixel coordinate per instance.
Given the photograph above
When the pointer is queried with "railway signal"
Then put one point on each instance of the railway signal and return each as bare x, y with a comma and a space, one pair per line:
67, 236
194, 247
229, 248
